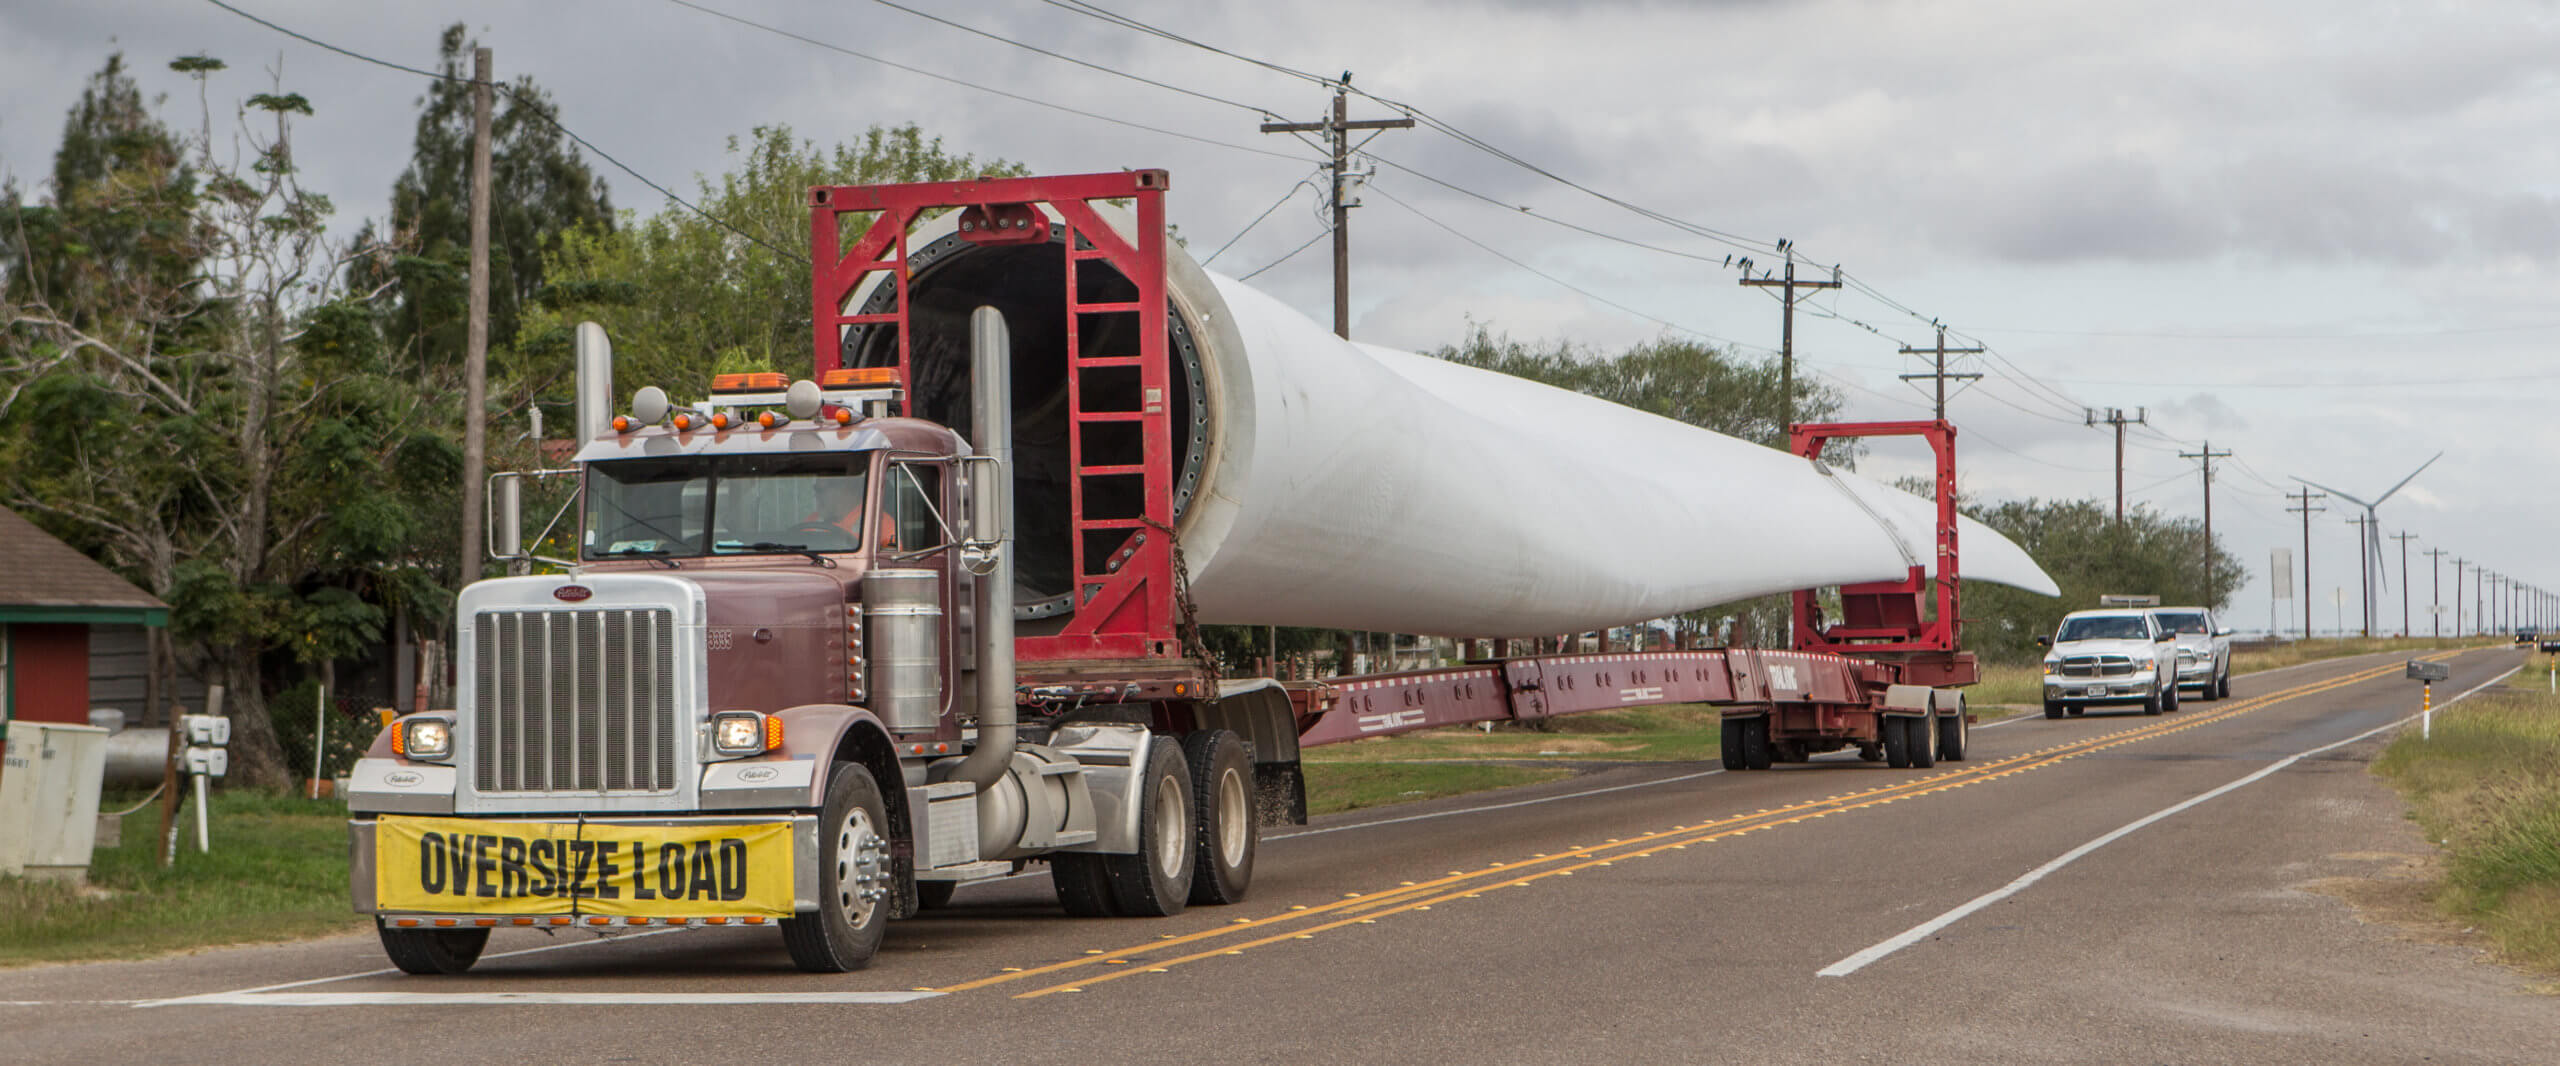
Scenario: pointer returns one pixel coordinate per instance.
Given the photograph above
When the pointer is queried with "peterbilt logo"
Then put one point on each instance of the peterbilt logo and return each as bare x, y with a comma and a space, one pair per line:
403, 778
572, 593
755, 774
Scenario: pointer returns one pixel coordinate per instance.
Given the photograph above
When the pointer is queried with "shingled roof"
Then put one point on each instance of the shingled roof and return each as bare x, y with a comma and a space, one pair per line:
44, 580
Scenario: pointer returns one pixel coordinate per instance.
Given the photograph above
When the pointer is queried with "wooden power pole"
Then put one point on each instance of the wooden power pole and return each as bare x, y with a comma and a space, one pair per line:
2302, 506
2141, 416
2365, 562
2404, 539
2208, 455
2435, 589
1337, 130
1787, 285
1940, 374
475, 352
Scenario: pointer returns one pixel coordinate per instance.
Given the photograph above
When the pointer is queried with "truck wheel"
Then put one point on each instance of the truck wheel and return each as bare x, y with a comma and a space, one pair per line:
1920, 738
431, 952
2169, 699
2052, 709
1897, 743
2222, 688
1757, 752
934, 895
1083, 884
1729, 744
1955, 734
2152, 704
853, 879
1156, 882
1222, 808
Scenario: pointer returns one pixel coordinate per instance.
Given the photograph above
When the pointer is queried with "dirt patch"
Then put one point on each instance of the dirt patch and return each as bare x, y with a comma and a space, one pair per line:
2398, 893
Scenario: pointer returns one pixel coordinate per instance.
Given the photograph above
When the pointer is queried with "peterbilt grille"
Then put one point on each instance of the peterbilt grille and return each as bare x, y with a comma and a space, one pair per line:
575, 700
2097, 666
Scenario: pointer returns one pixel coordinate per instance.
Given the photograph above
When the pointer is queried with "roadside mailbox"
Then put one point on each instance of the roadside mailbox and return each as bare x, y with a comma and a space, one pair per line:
207, 757
2422, 670
2427, 674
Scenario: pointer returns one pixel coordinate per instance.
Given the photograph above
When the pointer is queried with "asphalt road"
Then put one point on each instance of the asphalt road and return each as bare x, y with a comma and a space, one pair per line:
2111, 888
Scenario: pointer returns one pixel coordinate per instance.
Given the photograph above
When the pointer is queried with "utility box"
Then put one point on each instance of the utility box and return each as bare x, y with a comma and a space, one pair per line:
49, 799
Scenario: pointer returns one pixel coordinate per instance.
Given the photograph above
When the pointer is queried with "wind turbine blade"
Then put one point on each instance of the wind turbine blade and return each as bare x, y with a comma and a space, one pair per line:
2422, 468
2331, 491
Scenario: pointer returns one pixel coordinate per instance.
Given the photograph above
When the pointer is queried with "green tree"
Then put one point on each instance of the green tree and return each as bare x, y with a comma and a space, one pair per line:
2089, 554
120, 225
236, 439
540, 188
685, 292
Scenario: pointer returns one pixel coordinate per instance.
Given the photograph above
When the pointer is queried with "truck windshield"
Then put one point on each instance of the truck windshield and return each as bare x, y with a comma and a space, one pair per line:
2102, 628
724, 505
2182, 621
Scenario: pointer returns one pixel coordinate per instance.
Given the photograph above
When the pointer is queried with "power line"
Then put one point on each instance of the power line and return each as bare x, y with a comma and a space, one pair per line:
1257, 220
536, 107
1293, 253
1028, 47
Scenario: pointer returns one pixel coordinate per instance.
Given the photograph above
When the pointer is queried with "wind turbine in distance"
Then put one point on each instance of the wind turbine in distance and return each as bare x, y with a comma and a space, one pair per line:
2372, 548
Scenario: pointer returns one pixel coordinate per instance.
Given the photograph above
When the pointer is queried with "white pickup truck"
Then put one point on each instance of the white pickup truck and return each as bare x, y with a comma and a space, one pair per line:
2110, 657
2204, 650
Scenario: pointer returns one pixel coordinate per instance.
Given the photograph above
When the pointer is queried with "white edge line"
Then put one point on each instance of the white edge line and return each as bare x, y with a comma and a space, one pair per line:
211, 997
595, 999
1917, 933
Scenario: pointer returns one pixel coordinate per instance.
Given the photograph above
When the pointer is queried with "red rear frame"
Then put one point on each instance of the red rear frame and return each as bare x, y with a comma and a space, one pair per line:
1884, 619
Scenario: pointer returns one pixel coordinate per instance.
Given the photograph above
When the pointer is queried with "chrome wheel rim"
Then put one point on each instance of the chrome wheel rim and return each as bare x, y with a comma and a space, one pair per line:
1232, 827
862, 867
1172, 829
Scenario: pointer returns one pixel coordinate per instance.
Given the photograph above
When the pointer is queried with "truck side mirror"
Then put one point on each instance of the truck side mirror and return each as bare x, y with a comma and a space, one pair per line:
506, 516
2222, 632
2044, 642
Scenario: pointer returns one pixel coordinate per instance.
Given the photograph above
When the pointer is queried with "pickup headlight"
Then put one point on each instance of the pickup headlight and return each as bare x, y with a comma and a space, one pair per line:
423, 738
2052, 667
741, 733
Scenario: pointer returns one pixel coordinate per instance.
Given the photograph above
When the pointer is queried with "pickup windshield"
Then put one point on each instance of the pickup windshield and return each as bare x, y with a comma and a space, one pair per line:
2118, 627
692, 506
2182, 621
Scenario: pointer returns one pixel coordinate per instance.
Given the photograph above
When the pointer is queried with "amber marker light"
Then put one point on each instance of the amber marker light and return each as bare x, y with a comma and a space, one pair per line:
722, 420
768, 419
772, 733
842, 416
622, 423
684, 422
858, 376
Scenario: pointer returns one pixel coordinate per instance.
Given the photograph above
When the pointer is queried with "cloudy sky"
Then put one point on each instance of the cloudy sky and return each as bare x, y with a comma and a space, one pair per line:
2321, 234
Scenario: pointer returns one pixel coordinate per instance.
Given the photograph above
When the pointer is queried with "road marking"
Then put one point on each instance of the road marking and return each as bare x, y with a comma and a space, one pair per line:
575, 999
1917, 933
392, 970
1365, 908
1489, 807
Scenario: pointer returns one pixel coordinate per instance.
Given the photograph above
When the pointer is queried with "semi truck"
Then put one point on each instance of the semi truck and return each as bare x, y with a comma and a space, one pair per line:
823, 650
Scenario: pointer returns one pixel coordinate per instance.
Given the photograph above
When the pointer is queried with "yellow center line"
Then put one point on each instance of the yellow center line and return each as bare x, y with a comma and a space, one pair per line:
1366, 907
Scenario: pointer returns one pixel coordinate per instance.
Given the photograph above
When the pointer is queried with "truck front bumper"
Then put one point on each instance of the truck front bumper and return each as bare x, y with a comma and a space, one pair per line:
689, 870
2131, 688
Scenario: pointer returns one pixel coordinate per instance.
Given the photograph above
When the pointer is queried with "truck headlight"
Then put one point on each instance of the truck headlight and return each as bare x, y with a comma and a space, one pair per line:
745, 733
424, 738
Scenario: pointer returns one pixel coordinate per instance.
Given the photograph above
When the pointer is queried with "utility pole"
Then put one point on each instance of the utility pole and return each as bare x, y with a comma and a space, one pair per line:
2142, 417
1338, 130
2435, 589
1788, 285
2457, 598
2208, 455
475, 352
2404, 539
1940, 374
2364, 579
2304, 508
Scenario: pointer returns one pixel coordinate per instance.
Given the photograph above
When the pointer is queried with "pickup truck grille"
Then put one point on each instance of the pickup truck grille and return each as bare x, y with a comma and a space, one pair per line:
575, 701
2097, 666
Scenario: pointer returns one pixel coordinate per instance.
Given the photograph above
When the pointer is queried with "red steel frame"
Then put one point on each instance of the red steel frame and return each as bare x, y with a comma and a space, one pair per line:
1884, 617
1125, 602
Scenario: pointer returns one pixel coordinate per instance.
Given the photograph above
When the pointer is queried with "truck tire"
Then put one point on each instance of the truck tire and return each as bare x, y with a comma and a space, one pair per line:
934, 895
1729, 744
2169, 699
854, 875
1923, 742
2052, 709
1757, 751
1955, 734
1228, 834
2154, 703
432, 952
1897, 743
1083, 884
2222, 688
1156, 882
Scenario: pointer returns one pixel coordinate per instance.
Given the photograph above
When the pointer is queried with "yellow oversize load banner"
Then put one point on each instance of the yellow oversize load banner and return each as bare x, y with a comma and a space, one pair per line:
467, 866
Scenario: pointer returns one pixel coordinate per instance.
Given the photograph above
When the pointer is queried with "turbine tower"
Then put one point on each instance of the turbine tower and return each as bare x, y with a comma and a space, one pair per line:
2372, 548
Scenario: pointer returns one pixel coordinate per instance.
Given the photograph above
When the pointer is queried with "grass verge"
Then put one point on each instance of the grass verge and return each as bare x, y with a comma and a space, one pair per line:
1334, 787
278, 871
2487, 787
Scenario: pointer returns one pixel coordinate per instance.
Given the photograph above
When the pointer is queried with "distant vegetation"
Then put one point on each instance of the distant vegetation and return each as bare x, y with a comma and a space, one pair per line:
2486, 787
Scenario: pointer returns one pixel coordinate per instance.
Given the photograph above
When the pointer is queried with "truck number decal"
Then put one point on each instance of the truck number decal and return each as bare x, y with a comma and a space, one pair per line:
1371, 723
1639, 695
1782, 677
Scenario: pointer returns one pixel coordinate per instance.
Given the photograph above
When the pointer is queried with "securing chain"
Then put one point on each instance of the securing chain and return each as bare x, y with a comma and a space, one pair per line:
1194, 643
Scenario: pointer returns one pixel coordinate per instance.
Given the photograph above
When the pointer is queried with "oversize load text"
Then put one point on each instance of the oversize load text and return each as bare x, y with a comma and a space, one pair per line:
447, 865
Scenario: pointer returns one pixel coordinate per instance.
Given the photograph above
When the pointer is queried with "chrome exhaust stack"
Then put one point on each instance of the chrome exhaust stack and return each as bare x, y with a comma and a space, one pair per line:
990, 545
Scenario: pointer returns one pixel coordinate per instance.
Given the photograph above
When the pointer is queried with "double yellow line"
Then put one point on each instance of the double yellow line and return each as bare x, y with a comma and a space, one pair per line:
1304, 922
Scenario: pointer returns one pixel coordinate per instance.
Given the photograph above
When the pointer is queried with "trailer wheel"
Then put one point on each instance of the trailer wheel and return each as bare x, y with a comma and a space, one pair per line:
431, 952
2052, 709
1955, 734
853, 879
1156, 882
1757, 752
1222, 809
1921, 739
1897, 742
1729, 744
934, 895
1083, 884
